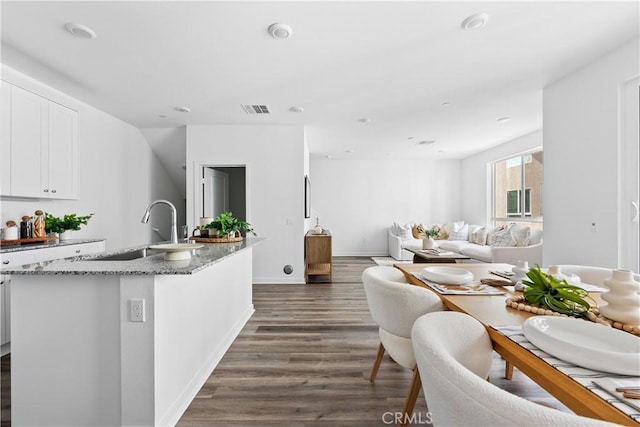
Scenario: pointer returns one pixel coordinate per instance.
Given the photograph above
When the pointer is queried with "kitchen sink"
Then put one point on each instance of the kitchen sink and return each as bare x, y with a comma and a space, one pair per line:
128, 256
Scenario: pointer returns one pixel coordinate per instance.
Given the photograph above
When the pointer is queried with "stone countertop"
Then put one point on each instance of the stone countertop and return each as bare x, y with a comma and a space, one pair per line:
200, 259
50, 244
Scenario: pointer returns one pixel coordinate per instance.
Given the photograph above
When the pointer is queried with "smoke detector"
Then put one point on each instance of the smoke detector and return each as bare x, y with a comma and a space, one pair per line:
474, 22
280, 31
80, 31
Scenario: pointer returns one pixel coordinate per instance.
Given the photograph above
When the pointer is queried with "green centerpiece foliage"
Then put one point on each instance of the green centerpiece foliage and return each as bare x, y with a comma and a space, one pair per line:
54, 224
555, 294
227, 224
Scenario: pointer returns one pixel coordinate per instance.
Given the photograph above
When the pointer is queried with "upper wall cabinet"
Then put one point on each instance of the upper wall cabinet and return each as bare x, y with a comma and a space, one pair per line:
39, 146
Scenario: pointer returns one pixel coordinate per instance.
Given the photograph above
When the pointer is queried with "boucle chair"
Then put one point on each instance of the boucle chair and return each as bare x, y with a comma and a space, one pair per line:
395, 305
454, 355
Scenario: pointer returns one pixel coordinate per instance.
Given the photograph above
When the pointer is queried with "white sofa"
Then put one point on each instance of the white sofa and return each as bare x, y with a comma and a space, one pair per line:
532, 252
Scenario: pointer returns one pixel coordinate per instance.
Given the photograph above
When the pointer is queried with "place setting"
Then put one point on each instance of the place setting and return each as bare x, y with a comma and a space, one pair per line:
455, 281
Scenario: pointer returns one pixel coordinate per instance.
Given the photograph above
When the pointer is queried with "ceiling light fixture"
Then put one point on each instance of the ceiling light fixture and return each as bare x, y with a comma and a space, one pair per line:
474, 22
503, 119
296, 109
280, 31
81, 31
183, 109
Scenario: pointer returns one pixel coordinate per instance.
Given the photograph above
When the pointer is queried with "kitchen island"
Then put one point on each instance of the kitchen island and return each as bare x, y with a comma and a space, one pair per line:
112, 342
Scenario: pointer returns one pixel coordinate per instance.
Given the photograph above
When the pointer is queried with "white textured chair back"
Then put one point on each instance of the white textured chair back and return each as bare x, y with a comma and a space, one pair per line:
591, 275
454, 355
394, 304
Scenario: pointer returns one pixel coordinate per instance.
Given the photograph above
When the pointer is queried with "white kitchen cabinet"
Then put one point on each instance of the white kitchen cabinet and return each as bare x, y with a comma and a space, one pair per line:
71, 250
41, 140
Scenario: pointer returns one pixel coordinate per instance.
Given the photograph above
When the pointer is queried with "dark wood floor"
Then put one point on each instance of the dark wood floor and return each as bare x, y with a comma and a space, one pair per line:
304, 359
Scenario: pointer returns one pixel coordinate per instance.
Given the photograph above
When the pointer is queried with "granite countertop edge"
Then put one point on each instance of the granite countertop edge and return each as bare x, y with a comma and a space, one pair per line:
208, 255
7, 248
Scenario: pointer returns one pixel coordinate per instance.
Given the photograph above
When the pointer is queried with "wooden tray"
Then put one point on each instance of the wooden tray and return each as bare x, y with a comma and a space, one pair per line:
216, 239
26, 241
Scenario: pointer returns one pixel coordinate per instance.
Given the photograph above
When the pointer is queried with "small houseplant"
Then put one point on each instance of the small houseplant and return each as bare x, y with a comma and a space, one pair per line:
226, 225
69, 222
428, 242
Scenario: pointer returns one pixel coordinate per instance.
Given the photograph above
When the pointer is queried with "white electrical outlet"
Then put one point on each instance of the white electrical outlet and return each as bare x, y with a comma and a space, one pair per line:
137, 310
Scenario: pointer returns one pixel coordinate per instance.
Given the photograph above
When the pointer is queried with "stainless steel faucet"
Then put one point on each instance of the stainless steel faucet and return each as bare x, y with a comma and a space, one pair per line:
174, 214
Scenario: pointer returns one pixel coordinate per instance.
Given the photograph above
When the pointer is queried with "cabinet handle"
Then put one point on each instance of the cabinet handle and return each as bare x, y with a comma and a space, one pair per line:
46, 190
77, 251
5, 262
53, 191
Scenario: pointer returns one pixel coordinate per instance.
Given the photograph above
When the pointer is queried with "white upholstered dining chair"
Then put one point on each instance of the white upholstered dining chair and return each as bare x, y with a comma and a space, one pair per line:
395, 305
454, 354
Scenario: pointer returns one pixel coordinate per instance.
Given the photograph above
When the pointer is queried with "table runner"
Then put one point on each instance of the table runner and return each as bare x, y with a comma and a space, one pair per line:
445, 289
582, 375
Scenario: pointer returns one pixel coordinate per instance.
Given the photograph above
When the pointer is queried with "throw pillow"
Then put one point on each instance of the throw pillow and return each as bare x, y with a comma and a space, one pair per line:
478, 235
418, 231
521, 234
461, 234
404, 231
502, 238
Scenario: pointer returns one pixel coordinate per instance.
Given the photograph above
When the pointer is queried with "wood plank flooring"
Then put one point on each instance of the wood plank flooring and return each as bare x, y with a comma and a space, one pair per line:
304, 359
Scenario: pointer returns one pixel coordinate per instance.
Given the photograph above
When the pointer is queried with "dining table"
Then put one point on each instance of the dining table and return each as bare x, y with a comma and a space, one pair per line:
493, 312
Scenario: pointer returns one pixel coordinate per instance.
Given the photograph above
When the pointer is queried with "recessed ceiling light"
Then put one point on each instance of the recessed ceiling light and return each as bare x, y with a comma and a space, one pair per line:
474, 22
183, 109
446, 104
280, 31
364, 120
426, 142
503, 119
296, 109
81, 31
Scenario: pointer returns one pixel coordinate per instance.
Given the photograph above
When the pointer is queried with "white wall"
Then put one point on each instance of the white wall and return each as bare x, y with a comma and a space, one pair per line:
581, 161
476, 177
274, 158
358, 200
119, 175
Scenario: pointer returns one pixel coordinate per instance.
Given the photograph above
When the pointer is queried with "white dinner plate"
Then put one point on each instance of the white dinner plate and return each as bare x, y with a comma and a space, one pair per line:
177, 251
450, 275
585, 343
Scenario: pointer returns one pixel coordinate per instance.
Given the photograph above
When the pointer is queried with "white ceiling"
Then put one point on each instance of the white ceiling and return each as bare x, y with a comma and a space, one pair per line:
393, 62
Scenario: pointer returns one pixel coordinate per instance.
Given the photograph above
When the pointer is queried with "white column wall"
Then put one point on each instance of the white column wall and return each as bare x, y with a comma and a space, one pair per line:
274, 160
581, 130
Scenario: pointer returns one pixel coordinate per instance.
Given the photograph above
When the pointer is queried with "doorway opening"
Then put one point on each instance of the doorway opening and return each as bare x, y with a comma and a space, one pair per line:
224, 189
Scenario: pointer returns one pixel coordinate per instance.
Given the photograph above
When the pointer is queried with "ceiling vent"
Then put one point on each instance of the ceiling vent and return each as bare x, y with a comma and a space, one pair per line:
256, 109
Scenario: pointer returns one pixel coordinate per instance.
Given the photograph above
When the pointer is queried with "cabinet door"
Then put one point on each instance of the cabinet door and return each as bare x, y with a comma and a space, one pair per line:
69, 251
28, 141
63, 152
5, 138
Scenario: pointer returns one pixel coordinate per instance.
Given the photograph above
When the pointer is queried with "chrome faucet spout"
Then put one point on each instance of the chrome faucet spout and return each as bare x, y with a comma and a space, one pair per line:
174, 214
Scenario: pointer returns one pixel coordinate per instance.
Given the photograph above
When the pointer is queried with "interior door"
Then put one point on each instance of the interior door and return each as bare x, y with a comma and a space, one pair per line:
215, 192
629, 179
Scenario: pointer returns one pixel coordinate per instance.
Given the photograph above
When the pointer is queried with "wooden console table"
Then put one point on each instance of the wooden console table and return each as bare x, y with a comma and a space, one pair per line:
317, 257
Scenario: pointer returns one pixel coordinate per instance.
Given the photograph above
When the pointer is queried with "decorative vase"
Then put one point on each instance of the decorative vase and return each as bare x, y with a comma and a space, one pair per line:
317, 229
623, 298
65, 235
428, 243
520, 271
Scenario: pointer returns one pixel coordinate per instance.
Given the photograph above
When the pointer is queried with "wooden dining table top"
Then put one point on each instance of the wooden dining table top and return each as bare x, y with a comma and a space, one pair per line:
492, 312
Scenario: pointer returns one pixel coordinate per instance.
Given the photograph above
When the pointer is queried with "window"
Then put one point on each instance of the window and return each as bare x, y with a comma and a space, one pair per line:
513, 178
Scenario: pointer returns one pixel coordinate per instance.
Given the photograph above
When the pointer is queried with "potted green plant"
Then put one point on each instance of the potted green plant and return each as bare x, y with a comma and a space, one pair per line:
63, 226
226, 225
428, 242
